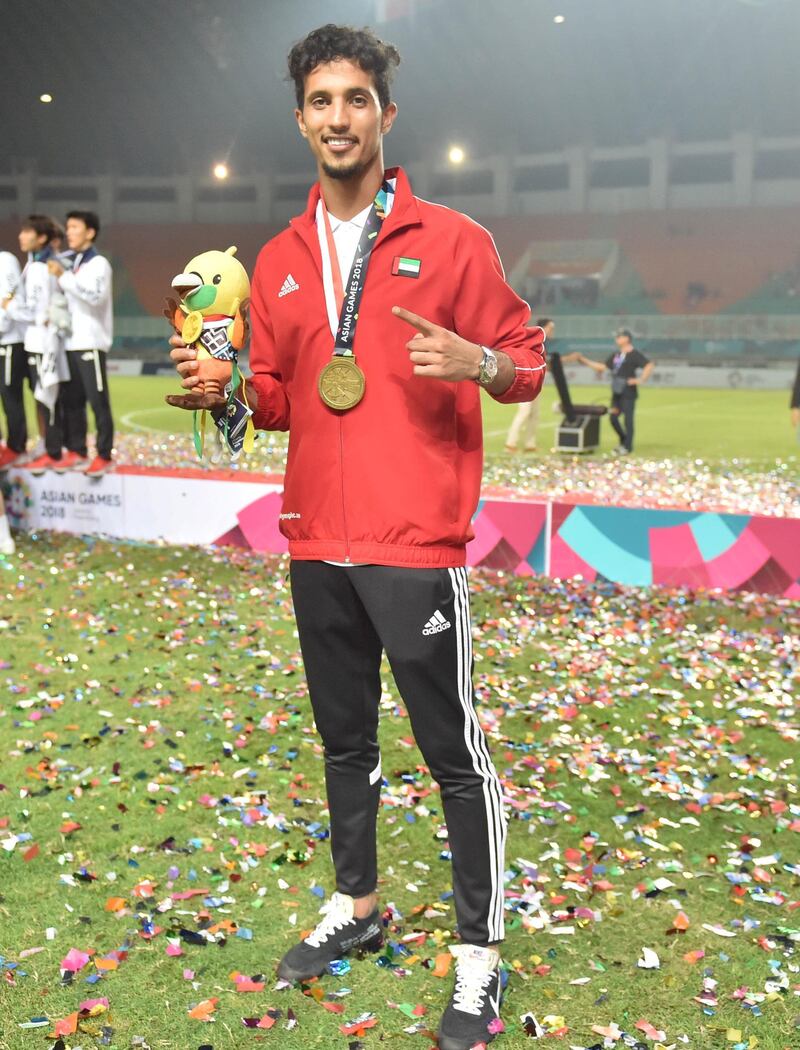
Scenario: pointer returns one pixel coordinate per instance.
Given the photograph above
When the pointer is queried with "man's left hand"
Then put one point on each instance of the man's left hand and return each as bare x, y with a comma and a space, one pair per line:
634, 381
54, 267
438, 353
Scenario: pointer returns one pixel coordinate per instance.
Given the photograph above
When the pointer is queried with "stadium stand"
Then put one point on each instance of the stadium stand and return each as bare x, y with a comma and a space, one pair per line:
742, 261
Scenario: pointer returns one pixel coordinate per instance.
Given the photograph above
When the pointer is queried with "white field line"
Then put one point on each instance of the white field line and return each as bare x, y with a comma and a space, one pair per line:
127, 420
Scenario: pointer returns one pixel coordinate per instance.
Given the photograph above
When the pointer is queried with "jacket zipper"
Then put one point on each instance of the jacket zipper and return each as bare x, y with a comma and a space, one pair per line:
341, 421
341, 474
341, 454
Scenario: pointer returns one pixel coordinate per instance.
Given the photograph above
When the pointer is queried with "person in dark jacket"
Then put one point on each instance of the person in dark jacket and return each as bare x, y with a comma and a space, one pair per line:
629, 369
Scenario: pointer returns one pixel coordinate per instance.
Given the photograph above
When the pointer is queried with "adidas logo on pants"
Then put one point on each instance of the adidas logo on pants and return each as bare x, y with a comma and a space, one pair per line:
436, 624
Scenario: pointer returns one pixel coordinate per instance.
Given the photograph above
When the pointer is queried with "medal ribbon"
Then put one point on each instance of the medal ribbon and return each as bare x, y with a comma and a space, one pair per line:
348, 300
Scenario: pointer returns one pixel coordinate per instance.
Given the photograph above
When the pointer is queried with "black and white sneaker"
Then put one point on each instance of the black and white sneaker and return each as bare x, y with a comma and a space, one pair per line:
475, 1003
335, 936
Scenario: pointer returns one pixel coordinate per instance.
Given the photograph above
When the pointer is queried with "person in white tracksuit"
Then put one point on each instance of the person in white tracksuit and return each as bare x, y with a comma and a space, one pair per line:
87, 285
13, 366
29, 307
522, 432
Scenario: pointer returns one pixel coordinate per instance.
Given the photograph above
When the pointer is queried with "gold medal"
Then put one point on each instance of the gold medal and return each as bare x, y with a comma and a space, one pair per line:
192, 327
341, 383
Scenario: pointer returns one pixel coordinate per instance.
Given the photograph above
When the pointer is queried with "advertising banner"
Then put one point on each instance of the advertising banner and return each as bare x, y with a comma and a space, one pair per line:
635, 546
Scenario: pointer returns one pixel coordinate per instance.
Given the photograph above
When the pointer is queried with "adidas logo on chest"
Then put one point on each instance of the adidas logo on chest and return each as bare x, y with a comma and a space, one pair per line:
289, 285
436, 624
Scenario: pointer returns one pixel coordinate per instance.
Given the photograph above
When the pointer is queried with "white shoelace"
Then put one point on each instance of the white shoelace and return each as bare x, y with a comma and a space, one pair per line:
472, 983
338, 914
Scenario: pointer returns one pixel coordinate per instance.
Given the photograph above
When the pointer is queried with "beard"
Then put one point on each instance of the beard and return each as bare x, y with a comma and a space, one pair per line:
345, 171
350, 169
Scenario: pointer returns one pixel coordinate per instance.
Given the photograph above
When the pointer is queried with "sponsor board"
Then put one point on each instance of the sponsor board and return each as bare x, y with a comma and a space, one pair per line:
116, 366
68, 503
636, 546
159, 507
682, 375
193, 510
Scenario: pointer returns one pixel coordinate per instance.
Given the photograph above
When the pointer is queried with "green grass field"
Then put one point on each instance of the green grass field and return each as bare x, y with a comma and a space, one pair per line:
156, 741
162, 795
712, 424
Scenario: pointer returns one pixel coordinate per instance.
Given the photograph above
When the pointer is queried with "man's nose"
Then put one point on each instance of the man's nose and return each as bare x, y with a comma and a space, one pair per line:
338, 115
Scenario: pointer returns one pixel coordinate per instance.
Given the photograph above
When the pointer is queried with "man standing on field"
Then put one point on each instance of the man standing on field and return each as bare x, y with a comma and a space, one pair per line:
382, 479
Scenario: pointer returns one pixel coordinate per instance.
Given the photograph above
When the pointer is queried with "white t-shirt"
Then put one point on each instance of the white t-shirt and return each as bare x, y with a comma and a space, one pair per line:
346, 235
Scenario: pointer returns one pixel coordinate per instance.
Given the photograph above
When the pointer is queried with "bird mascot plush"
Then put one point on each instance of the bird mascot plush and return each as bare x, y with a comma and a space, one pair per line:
211, 314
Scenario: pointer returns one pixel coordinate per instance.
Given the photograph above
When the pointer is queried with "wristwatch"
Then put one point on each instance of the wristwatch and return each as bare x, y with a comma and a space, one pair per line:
487, 370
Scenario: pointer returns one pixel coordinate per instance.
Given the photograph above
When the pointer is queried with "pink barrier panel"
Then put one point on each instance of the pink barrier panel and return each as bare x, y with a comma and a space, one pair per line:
629, 545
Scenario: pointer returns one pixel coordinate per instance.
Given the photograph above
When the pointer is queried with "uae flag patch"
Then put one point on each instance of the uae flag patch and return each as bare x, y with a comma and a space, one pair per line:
405, 267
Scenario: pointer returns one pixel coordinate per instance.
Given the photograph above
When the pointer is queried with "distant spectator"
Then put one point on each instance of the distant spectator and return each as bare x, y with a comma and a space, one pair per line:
623, 366
696, 292
794, 403
526, 418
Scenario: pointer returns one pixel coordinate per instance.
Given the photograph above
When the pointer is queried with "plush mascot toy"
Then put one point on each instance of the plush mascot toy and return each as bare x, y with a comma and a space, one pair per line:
211, 315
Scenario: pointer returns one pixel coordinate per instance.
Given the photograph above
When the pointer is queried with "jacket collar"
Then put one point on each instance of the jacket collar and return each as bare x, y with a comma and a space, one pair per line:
405, 212
359, 220
42, 255
79, 258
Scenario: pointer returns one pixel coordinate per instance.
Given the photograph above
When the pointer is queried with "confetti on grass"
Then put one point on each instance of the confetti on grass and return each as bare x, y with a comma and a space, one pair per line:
636, 482
157, 748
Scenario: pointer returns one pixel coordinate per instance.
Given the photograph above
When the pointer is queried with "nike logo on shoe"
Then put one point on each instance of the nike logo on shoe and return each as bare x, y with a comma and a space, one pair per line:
436, 624
289, 285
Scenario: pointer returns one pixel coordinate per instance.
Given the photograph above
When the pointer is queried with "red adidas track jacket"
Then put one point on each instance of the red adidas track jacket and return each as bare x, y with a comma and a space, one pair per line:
396, 479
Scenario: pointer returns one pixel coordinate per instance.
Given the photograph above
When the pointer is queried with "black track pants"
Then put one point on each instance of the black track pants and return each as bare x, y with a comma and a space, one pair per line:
346, 617
625, 407
13, 373
88, 381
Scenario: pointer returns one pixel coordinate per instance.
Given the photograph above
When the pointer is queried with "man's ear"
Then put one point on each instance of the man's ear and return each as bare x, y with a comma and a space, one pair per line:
298, 116
388, 118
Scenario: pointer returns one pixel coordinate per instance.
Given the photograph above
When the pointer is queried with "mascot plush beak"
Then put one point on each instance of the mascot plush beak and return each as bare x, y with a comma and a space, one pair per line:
186, 283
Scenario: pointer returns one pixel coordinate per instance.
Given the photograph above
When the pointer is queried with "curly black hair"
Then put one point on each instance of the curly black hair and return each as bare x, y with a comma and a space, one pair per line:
330, 43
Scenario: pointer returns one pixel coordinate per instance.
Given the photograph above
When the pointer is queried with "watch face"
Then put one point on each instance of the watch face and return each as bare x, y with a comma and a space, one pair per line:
488, 367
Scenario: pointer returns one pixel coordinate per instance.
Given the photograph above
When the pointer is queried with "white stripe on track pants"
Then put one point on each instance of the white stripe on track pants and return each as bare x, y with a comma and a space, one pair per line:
346, 617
